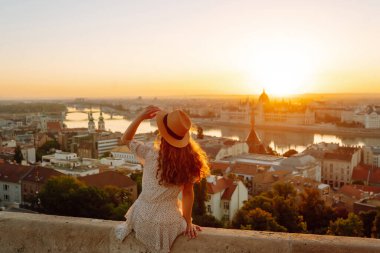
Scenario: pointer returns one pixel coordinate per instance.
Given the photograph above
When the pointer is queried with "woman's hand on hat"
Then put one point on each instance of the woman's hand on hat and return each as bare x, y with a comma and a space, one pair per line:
149, 112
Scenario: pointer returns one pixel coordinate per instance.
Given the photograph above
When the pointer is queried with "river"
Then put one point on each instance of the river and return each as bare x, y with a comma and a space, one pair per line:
279, 141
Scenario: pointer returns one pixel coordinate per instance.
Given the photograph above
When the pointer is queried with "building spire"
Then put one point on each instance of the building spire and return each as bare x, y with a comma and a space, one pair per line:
101, 123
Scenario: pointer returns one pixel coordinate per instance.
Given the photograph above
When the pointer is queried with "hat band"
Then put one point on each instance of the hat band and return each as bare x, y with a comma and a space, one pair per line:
170, 132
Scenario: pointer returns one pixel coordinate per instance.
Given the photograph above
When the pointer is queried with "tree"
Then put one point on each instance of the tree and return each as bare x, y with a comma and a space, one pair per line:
280, 202
48, 148
352, 226
368, 219
207, 220
261, 202
261, 220
285, 190
200, 135
66, 195
106, 154
200, 217
137, 177
290, 153
314, 211
340, 212
376, 225
200, 195
18, 157
286, 214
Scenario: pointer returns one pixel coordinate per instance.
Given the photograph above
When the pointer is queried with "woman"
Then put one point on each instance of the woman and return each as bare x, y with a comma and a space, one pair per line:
172, 165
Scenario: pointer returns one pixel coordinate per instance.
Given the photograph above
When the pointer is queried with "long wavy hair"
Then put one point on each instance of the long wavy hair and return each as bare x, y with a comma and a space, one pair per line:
178, 166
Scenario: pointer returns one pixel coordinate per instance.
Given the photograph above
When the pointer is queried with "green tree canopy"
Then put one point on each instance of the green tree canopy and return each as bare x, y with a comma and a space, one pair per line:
368, 219
66, 195
18, 157
261, 220
200, 195
352, 226
200, 133
376, 225
280, 202
315, 212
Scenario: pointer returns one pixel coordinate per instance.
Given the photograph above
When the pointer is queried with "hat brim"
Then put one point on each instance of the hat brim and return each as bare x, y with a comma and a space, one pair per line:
164, 133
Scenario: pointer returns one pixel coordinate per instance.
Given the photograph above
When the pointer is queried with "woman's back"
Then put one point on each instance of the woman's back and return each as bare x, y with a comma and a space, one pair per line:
156, 215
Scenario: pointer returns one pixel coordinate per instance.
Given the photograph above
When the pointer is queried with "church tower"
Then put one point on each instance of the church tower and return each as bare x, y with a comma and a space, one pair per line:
101, 123
91, 123
255, 146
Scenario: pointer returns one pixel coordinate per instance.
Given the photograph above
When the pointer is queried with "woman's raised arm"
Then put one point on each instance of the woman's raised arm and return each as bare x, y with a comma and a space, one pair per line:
148, 113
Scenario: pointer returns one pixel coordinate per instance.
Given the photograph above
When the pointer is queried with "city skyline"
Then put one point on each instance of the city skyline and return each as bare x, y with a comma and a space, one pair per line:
122, 49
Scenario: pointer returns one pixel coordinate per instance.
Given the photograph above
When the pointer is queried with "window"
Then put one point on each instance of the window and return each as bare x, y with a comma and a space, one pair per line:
226, 217
209, 209
5, 187
226, 205
6, 197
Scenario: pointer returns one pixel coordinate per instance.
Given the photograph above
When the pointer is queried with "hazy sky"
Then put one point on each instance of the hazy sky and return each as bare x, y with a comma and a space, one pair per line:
128, 48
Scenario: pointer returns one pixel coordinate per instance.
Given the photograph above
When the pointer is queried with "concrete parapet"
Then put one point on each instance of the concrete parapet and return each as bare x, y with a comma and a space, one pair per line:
24, 233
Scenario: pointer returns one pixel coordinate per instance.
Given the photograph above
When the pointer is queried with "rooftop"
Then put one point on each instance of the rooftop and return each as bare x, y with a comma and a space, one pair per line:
108, 178
13, 173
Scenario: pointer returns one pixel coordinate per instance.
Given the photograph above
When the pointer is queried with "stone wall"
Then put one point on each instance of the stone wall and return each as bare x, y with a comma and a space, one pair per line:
24, 233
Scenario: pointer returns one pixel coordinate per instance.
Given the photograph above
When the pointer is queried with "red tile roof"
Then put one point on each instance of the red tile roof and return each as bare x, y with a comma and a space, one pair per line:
362, 171
248, 169
53, 126
366, 188
41, 174
78, 129
13, 173
341, 153
219, 166
228, 192
108, 178
221, 184
7, 150
270, 177
351, 191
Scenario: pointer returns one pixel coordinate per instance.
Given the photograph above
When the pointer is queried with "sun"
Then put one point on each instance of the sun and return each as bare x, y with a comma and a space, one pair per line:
282, 69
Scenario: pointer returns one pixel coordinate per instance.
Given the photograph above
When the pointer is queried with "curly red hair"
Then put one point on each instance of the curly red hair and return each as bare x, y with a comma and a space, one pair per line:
179, 166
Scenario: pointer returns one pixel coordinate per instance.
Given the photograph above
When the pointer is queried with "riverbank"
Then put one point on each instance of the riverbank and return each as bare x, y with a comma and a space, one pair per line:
321, 129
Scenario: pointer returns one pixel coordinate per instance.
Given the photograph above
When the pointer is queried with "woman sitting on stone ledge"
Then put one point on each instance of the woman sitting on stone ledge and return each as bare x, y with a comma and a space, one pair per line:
172, 165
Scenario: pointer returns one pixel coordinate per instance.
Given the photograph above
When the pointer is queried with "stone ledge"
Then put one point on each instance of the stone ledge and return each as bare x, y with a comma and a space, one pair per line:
24, 233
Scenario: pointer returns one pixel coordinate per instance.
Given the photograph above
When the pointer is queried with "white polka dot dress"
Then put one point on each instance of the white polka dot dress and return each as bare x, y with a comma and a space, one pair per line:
156, 216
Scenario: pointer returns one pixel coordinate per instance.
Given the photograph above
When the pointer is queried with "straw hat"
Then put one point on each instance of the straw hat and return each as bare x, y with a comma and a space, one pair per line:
174, 127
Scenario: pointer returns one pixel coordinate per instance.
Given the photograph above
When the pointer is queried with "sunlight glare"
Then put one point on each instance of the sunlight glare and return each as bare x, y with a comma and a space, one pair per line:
283, 68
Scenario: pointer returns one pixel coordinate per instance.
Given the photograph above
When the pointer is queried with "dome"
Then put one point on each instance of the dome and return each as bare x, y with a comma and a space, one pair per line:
264, 99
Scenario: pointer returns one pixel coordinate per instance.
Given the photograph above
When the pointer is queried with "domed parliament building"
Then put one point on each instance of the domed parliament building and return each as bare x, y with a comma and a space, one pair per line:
267, 112
284, 112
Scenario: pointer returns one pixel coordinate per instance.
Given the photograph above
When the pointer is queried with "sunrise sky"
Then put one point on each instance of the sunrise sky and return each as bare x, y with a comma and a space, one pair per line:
164, 48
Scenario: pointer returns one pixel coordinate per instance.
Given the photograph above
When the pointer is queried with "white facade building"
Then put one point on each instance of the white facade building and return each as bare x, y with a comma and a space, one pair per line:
110, 161
371, 155
10, 193
304, 165
29, 154
70, 164
10, 183
224, 197
337, 166
372, 120
123, 152
106, 145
